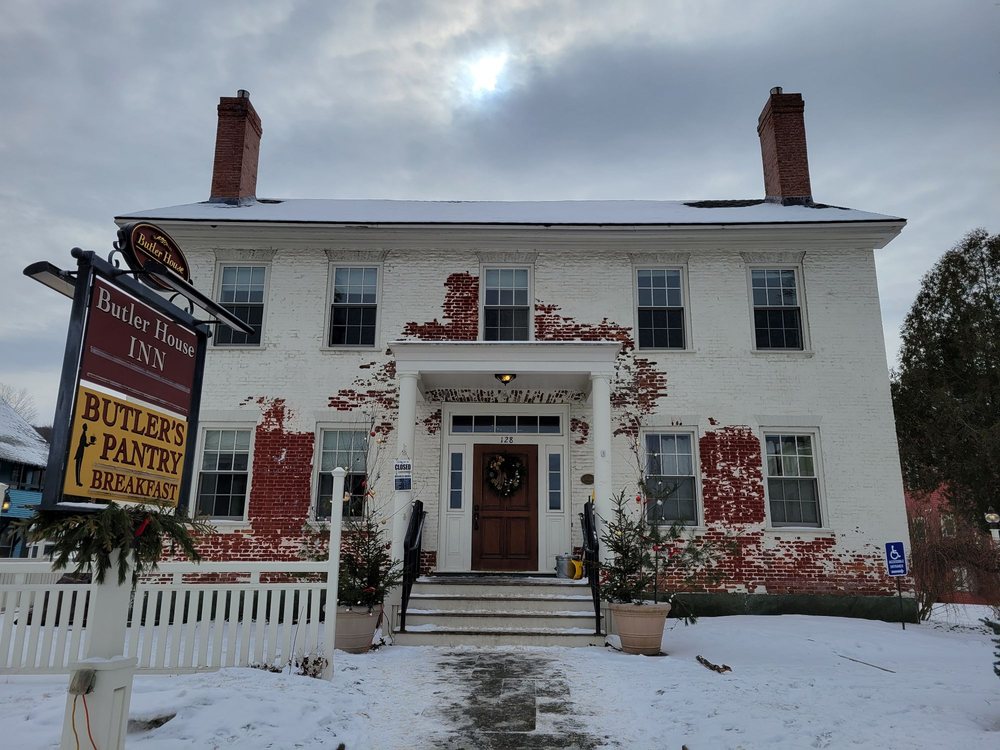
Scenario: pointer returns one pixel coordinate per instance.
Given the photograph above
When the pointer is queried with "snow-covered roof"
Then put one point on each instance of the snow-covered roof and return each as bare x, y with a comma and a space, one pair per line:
572, 213
20, 443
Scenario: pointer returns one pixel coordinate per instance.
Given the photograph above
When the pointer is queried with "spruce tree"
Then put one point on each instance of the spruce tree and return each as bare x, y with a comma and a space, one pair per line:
946, 392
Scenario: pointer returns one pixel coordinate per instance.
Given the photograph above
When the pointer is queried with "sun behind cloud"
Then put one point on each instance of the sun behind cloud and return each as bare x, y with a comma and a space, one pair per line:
485, 71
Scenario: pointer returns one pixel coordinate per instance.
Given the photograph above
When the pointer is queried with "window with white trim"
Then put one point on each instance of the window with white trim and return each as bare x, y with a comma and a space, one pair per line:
241, 292
349, 450
777, 313
660, 314
506, 305
224, 475
456, 462
555, 480
670, 486
354, 306
792, 480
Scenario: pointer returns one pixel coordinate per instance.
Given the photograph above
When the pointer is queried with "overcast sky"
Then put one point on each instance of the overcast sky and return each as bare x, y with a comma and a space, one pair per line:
109, 108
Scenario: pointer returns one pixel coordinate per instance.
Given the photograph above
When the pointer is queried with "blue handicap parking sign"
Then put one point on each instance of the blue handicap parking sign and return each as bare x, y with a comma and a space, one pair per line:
895, 558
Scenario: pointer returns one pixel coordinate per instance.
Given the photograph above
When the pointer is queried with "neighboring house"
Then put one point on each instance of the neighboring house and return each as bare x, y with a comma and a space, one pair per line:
23, 456
732, 349
965, 577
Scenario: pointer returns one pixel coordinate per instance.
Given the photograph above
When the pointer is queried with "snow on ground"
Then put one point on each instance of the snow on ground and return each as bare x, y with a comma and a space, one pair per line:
796, 682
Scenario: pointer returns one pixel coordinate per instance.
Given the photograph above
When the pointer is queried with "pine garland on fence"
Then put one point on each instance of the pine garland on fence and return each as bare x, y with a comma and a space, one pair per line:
90, 541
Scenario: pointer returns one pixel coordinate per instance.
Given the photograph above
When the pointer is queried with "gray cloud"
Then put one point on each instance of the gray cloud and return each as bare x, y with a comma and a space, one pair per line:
110, 107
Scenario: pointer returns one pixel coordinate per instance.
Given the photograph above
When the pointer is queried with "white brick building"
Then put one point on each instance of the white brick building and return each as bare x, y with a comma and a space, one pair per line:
732, 349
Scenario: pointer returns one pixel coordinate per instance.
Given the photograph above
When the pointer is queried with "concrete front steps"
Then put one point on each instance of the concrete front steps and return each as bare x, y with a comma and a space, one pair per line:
499, 610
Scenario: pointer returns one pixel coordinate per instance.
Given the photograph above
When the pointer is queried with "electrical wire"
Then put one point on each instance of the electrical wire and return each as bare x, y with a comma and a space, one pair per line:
72, 723
86, 713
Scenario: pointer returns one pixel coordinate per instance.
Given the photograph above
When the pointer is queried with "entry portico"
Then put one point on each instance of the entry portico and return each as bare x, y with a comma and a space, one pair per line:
483, 420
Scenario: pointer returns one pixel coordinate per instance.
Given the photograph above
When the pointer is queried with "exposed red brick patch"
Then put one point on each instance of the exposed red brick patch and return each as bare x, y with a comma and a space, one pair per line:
460, 309
280, 498
496, 396
732, 480
377, 392
432, 423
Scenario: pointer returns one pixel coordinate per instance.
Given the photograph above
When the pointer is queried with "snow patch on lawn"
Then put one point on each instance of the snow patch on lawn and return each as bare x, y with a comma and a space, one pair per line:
796, 682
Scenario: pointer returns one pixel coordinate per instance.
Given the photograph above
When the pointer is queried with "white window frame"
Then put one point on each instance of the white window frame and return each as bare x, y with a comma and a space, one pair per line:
685, 304
328, 313
692, 432
824, 513
217, 287
800, 289
530, 268
222, 524
318, 465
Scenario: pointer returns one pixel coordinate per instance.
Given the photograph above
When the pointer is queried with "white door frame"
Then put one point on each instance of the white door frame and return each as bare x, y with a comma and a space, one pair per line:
454, 552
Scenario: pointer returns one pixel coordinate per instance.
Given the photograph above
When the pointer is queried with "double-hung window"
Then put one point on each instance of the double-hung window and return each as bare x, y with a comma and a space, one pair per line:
777, 314
353, 311
347, 449
224, 475
241, 292
506, 305
792, 482
661, 308
670, 487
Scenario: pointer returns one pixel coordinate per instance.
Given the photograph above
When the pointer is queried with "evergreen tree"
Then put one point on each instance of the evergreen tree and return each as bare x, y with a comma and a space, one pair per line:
946, 393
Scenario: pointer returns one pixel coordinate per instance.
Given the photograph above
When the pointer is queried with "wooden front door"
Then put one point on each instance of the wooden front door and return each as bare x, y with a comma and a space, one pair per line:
505, 520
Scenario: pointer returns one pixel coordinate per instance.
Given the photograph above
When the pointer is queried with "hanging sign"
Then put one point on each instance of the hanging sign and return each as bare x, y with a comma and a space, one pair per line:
129, 432
403, 475
141, 243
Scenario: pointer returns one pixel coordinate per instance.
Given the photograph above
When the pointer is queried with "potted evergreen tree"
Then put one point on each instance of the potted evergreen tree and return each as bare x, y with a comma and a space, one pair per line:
367, 574
641, 552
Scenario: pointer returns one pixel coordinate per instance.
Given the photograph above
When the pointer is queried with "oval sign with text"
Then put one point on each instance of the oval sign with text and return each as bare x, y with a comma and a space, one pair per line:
143, 243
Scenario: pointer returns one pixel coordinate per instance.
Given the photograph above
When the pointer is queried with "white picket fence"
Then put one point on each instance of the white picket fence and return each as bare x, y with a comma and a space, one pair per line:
178, 623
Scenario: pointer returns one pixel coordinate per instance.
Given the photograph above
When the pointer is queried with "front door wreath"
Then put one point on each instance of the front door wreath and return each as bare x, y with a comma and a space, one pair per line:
505, 474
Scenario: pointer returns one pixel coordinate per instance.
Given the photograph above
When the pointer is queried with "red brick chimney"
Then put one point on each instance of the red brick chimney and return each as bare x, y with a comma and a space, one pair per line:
237, 148
782, 131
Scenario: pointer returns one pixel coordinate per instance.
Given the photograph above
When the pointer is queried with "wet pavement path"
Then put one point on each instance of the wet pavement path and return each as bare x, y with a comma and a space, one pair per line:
506, 700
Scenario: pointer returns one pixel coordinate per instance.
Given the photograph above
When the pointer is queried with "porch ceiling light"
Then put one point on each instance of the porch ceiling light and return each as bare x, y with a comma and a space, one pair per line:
505, 377
992, 517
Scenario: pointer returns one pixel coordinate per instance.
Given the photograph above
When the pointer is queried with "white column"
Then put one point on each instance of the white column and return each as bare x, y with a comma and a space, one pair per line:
333, 570
600, 398
405, 431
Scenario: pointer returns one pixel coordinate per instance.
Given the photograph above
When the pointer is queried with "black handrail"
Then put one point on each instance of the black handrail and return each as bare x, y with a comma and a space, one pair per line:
591, 559
411, 556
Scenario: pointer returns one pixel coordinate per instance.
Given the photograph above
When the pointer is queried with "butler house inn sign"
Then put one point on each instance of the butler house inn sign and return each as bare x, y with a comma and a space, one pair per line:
132, 372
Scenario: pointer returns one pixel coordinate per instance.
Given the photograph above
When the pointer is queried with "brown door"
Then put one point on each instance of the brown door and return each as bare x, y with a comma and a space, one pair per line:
505, 507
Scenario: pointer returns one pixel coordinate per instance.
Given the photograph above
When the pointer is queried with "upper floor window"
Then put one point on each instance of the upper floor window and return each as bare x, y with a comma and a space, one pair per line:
777, 317
347, 449
792, 481
354, 307
506, 305
224, 475
661, 308
670, 488
241, 292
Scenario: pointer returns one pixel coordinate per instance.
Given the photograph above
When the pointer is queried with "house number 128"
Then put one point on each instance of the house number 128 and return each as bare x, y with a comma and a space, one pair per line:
506, 440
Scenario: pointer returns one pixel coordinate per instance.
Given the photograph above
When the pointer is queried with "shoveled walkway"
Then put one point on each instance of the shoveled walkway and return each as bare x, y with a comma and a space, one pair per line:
498, 700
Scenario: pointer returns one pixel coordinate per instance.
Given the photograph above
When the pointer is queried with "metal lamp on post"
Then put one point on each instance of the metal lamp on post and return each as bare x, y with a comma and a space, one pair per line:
993, 521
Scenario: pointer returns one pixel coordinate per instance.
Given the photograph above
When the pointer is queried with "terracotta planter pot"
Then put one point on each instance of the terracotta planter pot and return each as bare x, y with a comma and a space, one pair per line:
355, 630
640, 627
